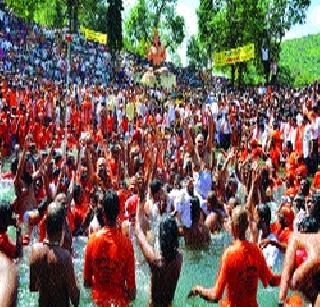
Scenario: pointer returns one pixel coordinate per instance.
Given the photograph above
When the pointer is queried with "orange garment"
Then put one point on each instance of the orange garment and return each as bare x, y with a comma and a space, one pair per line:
291, 191
294, 301
276, 228
275, 157
242, 266
109, 266
276, 136
6, 247
42, 229
298, 141
285, 235
316, 180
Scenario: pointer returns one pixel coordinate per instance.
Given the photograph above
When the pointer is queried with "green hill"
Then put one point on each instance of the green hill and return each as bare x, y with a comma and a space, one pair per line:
301, 57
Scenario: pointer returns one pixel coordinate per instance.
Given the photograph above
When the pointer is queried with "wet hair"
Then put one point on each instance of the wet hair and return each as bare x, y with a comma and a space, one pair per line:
155, 186
240, 220
305, 187
111, 205
195, 209
168, 238
55, 219
5, 215
43, 206
27, 178
309, 225
76, 191
14, 166
264, 213
299, 202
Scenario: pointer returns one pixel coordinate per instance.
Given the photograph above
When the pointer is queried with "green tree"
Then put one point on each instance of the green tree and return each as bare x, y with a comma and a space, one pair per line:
146, 16
196, 53
225, 24
114, 24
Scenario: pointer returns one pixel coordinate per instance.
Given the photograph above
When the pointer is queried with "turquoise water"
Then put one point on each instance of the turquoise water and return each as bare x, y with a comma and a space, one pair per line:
198, 268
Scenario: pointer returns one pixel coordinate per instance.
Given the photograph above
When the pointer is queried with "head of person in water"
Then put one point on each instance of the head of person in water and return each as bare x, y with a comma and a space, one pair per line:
102, 168
264, 218
212, 201
111, 207
304, 187
195, 210
314, 210
54, 222
286, 216
200, 143
14, 166
168, 238
28, 172
309, 225
156, 190
61, 199
6, 216
190, 186
239, 222
299, 202
77, 194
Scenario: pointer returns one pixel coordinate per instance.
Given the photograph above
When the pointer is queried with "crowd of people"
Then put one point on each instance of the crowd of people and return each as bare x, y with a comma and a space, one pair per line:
120, 162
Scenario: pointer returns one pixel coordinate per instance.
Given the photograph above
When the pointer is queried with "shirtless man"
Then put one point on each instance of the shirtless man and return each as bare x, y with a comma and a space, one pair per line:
66, 240
51, 268
201, 152
306, 277
198, 235
23, 184
242, 266
8, 281
165, 267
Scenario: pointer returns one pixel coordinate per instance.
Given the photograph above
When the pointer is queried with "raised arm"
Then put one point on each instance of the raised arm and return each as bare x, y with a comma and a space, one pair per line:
189, 139
146, 248
21, 166
211, 128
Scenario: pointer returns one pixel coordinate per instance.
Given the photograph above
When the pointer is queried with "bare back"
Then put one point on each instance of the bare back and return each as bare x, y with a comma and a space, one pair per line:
164, 280
52, 274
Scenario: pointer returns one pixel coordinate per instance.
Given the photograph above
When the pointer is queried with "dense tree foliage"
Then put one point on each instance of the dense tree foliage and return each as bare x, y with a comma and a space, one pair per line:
196, 53
225, 24
90, 13
148, 15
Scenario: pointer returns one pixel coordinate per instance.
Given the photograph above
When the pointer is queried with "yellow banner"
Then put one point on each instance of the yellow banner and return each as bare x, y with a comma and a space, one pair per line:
234, 55
94, 35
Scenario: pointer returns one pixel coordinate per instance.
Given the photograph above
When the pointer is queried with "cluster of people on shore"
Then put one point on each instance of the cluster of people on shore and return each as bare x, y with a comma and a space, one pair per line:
120, 162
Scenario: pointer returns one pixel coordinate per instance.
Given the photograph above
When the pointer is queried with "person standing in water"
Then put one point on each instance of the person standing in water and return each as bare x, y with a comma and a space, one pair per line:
165, 267
109, 264
51, 269
242, 265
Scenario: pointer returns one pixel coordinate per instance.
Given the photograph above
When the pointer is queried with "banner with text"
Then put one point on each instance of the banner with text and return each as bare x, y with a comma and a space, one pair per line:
234, 55
94, 35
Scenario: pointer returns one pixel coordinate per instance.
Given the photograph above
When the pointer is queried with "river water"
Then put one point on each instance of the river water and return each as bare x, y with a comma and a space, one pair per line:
199, 267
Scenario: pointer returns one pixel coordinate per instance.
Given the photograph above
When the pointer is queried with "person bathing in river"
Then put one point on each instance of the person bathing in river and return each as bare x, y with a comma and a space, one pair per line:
242, 266
51, 269
166, 265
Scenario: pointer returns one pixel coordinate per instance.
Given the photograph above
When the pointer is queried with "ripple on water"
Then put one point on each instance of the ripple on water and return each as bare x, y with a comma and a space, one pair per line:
199, 267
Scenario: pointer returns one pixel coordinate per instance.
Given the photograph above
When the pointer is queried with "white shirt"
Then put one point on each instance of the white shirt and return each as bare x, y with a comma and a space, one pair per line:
183, 206
307, 137
272, 255
265, 54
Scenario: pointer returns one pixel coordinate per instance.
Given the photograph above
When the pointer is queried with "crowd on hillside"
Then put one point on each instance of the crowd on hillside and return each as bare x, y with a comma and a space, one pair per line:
120, 162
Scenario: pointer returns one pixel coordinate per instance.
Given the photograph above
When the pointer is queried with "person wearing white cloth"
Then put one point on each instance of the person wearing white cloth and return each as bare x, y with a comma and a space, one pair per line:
307, 143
